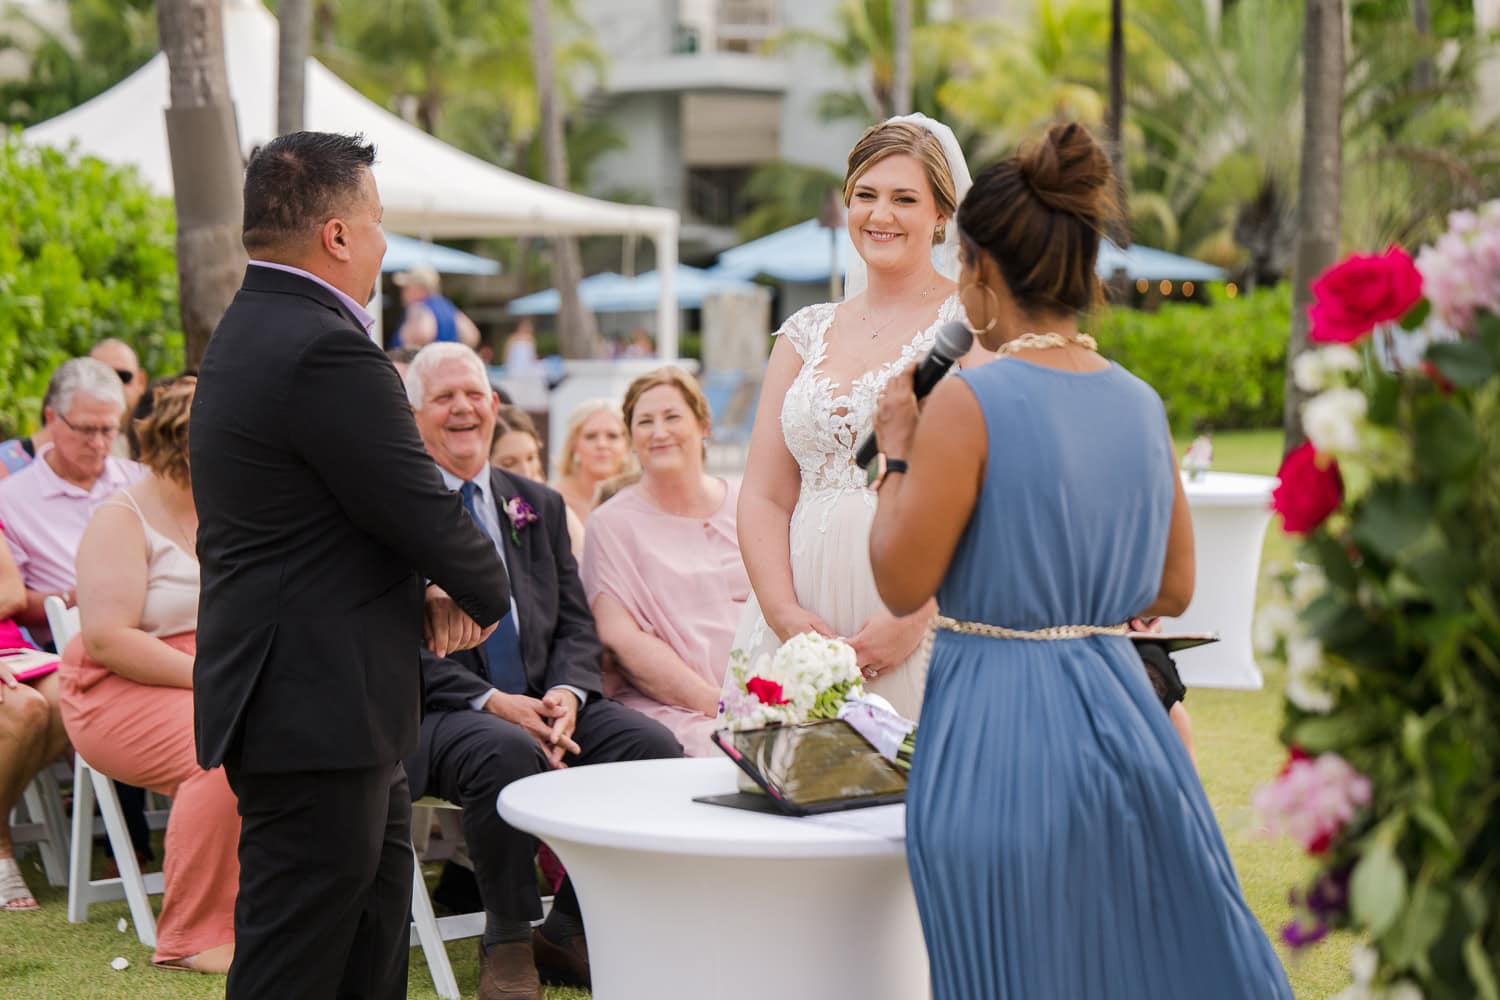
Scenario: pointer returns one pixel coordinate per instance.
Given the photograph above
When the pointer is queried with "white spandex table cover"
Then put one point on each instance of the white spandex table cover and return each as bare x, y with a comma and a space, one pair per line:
1230, 515
687, 901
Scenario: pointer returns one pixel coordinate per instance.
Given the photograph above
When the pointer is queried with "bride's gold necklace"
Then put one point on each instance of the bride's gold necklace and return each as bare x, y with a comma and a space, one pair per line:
1043, 341
864, 317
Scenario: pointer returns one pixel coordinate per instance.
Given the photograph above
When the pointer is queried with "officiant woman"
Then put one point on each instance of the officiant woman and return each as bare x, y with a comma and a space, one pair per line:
1060, 843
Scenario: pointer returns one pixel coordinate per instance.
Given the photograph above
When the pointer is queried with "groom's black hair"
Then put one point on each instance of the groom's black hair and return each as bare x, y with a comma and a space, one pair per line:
298, 181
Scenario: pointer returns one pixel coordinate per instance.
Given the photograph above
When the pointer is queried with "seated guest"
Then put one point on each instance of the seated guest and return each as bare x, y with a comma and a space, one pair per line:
31, 733
46, 505
120, 356
517, 449
594, 449
662, 567
127, 683
527, 700
19, 452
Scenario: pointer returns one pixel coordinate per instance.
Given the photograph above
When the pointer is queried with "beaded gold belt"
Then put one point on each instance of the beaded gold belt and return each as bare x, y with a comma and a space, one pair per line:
1040, 634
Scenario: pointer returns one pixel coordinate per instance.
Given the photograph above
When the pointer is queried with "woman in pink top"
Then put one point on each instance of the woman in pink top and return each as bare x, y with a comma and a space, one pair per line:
31, 731
662, 568
127, 683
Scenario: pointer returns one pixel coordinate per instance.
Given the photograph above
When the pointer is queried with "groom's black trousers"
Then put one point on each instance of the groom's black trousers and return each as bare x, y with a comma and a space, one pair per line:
324, 907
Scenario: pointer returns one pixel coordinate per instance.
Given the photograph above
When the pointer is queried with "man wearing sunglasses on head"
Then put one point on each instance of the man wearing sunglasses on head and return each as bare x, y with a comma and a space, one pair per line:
119, 356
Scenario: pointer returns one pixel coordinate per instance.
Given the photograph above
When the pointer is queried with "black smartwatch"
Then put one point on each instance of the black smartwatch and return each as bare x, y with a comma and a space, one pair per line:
880, 467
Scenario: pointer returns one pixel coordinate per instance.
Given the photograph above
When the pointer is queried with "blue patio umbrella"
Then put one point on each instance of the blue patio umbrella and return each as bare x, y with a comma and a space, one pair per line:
403, 253
610, 292
801, 254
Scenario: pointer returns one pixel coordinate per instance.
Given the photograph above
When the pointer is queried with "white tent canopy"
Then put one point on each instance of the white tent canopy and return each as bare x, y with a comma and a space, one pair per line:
428, 188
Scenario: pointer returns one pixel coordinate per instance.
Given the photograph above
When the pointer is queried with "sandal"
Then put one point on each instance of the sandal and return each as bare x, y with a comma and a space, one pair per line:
213, 961
14, 895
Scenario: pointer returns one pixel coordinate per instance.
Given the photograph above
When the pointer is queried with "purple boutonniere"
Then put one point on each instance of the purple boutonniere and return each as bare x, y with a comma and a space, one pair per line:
520, 514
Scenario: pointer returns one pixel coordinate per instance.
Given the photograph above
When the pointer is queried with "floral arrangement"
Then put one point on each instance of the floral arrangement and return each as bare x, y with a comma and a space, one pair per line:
1391, 630
812, 677
808, 678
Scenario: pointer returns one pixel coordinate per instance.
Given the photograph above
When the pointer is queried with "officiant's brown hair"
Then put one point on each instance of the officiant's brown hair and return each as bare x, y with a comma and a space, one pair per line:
1040, 215
910, 139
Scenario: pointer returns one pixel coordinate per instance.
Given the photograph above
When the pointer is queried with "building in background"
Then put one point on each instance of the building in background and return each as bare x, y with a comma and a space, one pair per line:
700, 107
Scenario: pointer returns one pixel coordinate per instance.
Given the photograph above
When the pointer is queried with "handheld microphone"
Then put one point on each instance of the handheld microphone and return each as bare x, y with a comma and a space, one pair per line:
953, 342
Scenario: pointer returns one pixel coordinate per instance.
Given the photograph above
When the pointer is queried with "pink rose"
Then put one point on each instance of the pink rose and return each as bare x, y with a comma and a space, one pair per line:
1352, 296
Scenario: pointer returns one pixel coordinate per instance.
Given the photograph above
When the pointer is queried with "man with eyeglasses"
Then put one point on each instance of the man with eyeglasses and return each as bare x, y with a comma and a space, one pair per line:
45, 506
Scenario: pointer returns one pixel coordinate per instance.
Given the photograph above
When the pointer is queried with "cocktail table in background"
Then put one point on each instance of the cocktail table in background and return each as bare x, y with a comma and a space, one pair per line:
688, 901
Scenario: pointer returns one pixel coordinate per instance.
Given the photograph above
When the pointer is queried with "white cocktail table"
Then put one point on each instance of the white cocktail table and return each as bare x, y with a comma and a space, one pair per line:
1230, 515
688, 901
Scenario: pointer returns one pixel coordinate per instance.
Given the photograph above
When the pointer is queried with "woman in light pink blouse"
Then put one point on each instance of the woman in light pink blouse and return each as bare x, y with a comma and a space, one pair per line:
662, 568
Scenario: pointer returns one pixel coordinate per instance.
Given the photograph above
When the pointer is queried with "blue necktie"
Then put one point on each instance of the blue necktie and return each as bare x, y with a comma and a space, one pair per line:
502, 650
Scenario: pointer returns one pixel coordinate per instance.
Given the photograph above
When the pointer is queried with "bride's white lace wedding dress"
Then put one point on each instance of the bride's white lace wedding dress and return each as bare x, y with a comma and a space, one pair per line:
823, 424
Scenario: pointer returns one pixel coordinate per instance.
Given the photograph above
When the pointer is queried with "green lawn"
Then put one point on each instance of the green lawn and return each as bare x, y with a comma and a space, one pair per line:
42, 956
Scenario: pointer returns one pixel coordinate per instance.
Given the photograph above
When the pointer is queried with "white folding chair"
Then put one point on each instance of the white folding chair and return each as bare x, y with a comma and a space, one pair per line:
40, 819
89, 785
431, 931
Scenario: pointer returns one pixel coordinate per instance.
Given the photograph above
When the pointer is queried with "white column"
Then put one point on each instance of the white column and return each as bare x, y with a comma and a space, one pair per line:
666, 304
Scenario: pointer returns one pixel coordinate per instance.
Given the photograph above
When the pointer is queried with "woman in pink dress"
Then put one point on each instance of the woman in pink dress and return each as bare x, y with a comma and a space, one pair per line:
662, 568
127, 683
31, 731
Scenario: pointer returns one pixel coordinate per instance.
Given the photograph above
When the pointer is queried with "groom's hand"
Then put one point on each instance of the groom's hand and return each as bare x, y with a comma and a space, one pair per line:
446, 627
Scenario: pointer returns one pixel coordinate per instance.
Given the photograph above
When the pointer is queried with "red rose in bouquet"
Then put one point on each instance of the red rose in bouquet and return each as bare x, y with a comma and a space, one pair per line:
1310, 490
769, 692
1351, 297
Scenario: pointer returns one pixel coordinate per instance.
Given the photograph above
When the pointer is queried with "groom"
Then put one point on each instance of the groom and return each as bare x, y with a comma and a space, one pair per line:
319, 517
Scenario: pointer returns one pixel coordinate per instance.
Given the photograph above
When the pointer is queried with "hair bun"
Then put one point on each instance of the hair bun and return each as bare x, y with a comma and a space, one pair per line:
1068, 171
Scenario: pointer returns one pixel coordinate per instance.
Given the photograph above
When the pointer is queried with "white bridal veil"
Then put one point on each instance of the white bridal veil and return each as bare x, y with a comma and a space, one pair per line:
944, 254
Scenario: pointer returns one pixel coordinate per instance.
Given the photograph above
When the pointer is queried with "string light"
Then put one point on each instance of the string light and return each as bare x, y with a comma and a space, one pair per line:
1142, 285
1231, 290
1165, 287
1187, 289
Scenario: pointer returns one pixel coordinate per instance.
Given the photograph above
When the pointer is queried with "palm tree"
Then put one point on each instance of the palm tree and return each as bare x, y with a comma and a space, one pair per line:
1320, 179
295, 17
1114, 123
901, 57
207, 167
577, 329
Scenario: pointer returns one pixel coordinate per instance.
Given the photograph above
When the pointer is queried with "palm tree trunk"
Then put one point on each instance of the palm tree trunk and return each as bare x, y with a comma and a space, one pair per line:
1320, 181
901, 74
1425, 75
291, 63
576, 327
207, 166
1115, 122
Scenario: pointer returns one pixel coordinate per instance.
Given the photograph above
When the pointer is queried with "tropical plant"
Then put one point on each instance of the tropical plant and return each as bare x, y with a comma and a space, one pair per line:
782, 194
86, 253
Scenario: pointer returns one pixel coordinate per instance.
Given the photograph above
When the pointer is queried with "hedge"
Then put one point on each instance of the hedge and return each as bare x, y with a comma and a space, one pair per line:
1218, 366
86, 252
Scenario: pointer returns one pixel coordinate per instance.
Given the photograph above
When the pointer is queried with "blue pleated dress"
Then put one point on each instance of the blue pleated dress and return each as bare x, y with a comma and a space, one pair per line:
1060, 843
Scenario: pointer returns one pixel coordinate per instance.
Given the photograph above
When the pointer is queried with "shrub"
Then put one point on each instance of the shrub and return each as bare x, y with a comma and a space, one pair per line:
1221, 366
87, 252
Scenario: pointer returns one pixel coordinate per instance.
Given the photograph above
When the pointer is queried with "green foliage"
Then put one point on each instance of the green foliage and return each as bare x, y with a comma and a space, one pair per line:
87, 253
1220, 366
109, 40
1407, 615
783, 194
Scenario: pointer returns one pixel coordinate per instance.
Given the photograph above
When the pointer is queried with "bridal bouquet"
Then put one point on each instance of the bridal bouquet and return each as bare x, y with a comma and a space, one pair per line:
1391, 635
812, 677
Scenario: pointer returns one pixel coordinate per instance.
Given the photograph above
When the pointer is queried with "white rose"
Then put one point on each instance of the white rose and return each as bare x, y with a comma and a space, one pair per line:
1308, 373
1364, 962
1272, 622
1304, 658
1308, 584
1331, 420
1404, 990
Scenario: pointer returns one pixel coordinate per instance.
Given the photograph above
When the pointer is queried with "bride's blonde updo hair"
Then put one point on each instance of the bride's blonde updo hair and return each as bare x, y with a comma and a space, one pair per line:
1040, 215
897, 138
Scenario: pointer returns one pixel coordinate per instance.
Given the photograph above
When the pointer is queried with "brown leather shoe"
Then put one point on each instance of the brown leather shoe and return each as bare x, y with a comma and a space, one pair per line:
508, 972
562, 963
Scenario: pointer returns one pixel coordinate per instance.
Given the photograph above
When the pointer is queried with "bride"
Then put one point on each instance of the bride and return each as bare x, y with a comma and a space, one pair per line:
804, 511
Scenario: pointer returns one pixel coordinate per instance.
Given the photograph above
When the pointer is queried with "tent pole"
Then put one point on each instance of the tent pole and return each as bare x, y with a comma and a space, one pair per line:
666, 303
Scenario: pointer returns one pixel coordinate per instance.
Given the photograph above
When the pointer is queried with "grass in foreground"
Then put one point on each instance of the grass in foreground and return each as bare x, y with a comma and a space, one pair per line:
43, 957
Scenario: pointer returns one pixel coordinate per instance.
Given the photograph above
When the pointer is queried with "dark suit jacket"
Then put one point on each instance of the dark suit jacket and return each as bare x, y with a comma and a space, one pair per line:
558, 642
320, 514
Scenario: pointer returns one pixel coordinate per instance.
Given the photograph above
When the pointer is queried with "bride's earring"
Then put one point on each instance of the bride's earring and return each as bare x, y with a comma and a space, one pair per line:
940, 233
